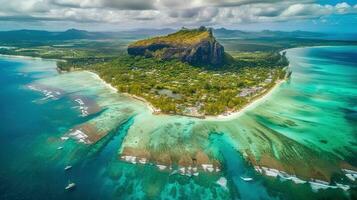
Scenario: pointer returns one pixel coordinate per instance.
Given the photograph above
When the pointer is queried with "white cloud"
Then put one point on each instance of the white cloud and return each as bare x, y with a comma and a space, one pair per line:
169, 12
121, 5
307, 10
343, 7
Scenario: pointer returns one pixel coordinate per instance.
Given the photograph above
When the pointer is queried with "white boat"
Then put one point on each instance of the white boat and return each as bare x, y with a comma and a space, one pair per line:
70, 186
246, 178
59, 148
68, 167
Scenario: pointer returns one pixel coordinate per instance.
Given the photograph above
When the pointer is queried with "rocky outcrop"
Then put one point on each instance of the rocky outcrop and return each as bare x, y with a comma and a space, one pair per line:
197, 47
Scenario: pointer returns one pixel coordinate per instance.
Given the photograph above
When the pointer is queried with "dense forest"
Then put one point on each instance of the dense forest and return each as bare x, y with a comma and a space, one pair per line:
179, 88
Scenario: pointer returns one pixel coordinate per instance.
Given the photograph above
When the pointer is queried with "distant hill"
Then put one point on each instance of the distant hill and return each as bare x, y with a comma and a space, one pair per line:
37, 35
147, 32
233, 40
195, 46
222, 32
74, 34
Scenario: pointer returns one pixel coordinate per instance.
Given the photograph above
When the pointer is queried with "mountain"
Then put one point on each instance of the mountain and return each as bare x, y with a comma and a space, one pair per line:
148, 32
73, 34
36, 35
292, 34
222, 32
195, 46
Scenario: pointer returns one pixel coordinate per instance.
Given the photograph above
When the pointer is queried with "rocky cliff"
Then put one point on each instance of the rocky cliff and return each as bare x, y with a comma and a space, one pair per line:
195, 46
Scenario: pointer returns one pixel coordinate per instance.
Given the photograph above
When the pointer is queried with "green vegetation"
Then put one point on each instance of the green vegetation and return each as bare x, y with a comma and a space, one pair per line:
179, 38
65, 50
179, 88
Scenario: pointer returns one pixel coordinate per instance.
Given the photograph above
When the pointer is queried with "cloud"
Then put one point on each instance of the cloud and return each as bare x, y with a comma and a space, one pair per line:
235, 3
169, 12
343, 7
120, 5
317, 10
298, 10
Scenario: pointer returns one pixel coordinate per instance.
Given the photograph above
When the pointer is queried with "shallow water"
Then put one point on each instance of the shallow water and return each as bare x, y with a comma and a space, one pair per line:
306, 127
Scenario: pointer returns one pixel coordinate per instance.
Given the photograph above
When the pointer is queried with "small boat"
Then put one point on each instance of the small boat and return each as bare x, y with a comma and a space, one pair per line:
59, 148
246, 178
68, 167
70, 186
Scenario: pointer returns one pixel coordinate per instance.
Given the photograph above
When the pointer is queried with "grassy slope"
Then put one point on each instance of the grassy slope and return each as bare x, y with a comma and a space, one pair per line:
182, 37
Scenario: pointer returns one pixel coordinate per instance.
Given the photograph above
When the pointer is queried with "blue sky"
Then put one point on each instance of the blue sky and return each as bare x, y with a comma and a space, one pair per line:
104, 15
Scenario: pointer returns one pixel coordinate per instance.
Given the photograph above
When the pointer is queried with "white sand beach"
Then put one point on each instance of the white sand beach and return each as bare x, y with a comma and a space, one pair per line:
223, 117
254, 103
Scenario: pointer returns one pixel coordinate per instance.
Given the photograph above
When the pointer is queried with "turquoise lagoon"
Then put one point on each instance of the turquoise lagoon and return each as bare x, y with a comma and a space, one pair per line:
306, 127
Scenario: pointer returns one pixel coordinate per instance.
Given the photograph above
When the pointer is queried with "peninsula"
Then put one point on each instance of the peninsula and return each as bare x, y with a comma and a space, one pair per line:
188, 73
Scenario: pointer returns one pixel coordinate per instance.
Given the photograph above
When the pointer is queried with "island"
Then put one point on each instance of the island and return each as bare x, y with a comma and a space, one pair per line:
189, 73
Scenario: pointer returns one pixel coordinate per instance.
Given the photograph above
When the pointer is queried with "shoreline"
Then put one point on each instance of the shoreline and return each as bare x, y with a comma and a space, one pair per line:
155, 111
111, 87
222, 117
96, 76
31, 57
251, 105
